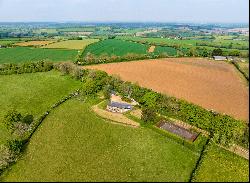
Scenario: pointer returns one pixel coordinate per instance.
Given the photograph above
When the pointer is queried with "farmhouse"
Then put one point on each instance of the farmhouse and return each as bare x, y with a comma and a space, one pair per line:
218, 58
118, 107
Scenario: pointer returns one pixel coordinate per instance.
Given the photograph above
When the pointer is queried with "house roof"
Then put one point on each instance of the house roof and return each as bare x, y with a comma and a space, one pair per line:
120, 105
220, 58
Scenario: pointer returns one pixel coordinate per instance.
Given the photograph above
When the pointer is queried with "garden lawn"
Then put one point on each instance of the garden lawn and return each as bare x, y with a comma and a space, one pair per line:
24, 54
73, 44
220, 165
74, 144
116, 47
32, 93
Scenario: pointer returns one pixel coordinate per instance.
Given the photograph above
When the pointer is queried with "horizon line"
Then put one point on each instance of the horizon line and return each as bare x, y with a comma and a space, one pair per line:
114, 21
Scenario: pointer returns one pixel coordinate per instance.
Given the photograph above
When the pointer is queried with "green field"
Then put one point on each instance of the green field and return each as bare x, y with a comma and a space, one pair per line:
77, 29
48, 31
72, 44
168, 50
23, 54
116, 47
192, 42
221, 165
6, 42
73, 144
244, 66
32, 93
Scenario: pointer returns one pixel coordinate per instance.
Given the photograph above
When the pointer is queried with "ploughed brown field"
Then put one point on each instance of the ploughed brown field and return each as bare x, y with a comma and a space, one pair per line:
210, 84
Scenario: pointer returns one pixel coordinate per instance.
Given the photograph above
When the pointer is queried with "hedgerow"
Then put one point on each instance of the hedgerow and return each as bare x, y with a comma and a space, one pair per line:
42, 66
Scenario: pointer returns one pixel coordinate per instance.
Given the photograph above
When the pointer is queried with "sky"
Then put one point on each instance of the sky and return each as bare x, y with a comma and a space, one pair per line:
192, 11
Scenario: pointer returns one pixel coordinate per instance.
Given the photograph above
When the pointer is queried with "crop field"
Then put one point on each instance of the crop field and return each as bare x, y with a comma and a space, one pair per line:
34, 43
210, 84
192, 42
168, 50
7, 42
72, 44
48, 31
220, 165
25, 54
77, 29
116, 47
161, 40
32, 93
65, 149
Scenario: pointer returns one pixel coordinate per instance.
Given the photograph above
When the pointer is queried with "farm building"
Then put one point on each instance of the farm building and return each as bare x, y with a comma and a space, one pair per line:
219, 58
118, 107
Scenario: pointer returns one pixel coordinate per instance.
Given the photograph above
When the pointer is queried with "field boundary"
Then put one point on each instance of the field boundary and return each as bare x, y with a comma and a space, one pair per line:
239, 69
200, 160
13, 156
238, 150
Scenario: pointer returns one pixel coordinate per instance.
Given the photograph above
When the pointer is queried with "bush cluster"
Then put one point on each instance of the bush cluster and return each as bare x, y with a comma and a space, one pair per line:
14, 120
42, 66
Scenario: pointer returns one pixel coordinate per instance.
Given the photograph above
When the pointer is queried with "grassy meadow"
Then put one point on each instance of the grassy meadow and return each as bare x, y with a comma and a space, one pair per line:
7, 42
168, 50
32, 93
25, 54
74, 144
244, 66
116, 47
72, 44
220, 165
236, 44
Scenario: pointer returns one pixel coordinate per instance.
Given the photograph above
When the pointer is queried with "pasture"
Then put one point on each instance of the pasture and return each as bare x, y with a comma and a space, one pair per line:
244, 66
167, 50
7, 42
25, 54
77, 29
32, 93
48, 31
212, 85
34, 43
74, 144
220, 165
235, 44
72, 44
116, 47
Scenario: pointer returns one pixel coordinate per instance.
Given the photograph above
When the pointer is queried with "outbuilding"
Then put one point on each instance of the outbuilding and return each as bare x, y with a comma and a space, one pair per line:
220, 58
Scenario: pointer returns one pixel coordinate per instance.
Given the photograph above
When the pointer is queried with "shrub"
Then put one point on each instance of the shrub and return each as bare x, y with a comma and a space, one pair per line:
28, 119
217, 52
107, 92
11, 118
41, 66
15, 145
148, 115
65, 68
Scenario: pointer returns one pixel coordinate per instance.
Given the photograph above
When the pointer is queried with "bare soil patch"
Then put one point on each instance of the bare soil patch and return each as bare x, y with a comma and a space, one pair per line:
151, 49
210, 84
136, 113
116, 117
